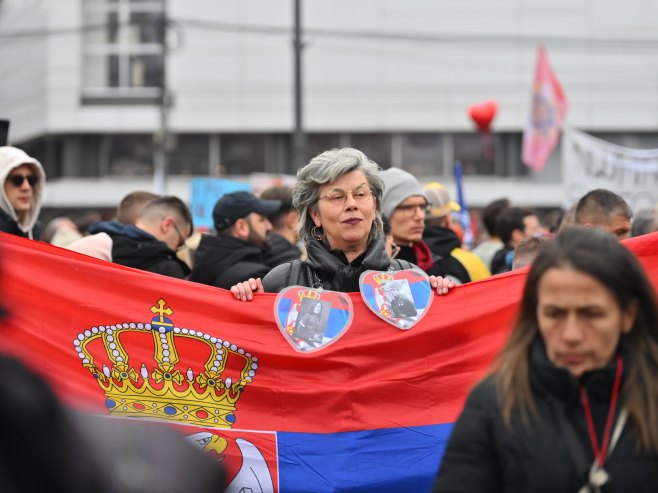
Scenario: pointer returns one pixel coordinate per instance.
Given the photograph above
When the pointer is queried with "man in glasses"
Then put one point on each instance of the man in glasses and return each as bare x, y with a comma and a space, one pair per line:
405, 207
20, 204
150, 244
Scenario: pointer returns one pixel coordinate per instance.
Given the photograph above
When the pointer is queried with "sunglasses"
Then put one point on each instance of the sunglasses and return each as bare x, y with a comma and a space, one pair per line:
17, 180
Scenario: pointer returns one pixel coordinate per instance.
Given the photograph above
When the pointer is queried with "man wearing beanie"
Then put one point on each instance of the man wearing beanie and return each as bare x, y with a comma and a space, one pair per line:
237, 252
405, 207
441, 238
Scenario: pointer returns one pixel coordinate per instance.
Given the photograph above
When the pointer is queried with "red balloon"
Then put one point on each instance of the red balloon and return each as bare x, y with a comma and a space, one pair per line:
483, 114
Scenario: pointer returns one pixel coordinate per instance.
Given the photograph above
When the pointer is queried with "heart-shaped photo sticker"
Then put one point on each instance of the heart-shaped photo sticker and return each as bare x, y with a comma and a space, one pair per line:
401, 298
312, 319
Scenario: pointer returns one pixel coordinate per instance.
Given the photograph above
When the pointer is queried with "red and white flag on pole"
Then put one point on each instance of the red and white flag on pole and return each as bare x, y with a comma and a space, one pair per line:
549, 106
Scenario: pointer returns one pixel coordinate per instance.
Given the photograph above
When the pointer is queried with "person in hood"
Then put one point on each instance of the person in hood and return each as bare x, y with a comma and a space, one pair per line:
20, 205
338, 195
238, 250
444, 242
150, 244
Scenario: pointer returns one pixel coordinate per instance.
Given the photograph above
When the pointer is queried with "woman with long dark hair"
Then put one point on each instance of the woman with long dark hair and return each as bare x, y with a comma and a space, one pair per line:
571, 404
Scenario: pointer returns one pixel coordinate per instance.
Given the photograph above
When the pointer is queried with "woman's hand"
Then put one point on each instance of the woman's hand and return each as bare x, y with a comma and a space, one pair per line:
441, 284
244, 291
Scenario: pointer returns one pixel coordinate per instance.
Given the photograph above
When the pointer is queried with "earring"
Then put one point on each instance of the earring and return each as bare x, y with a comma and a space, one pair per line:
318, 233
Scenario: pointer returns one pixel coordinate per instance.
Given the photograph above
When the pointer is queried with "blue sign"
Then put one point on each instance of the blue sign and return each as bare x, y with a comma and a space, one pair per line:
204, 194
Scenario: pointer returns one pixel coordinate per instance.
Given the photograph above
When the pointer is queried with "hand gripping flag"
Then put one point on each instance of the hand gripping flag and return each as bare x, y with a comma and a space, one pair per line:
549, 106
370, 412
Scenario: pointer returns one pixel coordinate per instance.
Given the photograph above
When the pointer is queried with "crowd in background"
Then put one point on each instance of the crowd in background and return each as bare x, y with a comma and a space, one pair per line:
345, 215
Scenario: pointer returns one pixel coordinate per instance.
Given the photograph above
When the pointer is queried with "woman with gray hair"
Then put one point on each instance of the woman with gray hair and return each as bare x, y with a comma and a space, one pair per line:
338, 198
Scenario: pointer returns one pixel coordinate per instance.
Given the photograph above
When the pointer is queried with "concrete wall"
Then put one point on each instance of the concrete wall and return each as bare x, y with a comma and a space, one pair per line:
369, 65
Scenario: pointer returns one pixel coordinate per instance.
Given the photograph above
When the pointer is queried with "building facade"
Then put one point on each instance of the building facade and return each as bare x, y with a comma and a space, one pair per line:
84, 79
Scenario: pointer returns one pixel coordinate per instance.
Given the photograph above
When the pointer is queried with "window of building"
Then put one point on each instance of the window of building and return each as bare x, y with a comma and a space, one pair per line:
122, 50
476, 152
129, 155
318, 143
242, 154
376, 146
190, 155
422, 154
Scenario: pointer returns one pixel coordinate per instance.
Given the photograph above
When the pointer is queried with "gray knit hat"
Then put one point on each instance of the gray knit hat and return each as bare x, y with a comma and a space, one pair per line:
399, 185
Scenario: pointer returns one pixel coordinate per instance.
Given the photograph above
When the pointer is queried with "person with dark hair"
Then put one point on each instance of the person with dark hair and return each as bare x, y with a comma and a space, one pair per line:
338, 196
283, 237
571, 403
237, 252
23, 180
490, 216
606, 210
150, 244
514, 225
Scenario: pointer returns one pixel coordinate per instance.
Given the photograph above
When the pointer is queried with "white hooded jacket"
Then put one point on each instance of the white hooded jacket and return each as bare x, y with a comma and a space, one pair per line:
11, 158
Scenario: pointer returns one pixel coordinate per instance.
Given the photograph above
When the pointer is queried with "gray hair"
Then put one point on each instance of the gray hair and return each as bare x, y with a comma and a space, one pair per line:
327, 168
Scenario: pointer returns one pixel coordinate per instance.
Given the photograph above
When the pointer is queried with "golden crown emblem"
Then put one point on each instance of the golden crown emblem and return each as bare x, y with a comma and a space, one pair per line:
383, 278
312, 294
158, 386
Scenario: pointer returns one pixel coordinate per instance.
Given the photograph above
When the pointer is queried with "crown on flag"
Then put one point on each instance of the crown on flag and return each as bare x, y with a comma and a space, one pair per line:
312, 294
383, 278
158, 387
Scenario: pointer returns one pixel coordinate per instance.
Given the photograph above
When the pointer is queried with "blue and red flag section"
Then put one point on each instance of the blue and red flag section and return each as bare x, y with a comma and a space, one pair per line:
370, 412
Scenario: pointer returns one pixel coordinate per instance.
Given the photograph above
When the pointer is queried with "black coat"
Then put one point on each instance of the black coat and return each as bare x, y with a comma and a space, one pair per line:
280, 251
483, 455
8, 225
223, 261
442, 241
499, 261
134, 247
330, 269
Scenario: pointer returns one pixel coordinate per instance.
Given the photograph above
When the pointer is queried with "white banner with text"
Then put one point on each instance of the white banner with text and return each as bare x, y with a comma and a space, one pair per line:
589, 163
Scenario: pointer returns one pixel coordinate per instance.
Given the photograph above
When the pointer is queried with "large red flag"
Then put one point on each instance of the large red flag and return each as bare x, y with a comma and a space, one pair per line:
549, 106
370, 412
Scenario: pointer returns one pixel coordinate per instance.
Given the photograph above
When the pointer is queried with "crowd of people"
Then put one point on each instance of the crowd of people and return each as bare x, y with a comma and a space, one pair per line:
252, 235
580, 361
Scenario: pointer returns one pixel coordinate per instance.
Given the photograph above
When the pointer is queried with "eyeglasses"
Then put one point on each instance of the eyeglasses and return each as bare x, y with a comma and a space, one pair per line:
181, 243
340, 198
410, 209
17, 179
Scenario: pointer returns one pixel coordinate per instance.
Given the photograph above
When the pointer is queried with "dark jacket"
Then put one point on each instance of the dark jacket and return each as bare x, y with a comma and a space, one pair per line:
483, 455
330, 269
442, 241
434, 265
8, 225
134, 247
47, 447
223, 261
280, 251
499, 263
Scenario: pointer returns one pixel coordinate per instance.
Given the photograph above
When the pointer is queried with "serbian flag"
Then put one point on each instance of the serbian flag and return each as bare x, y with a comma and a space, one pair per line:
371, 412
549, 105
